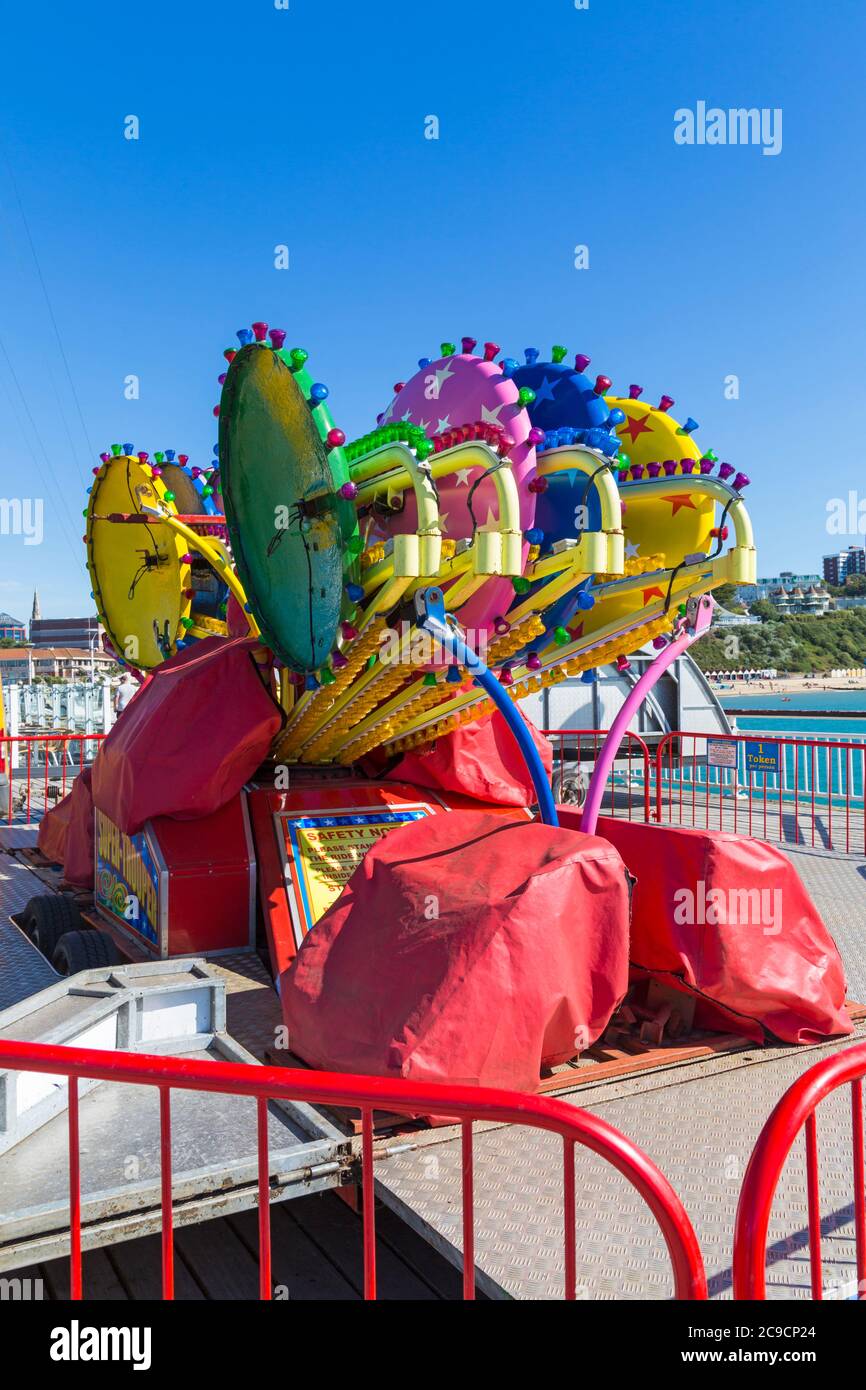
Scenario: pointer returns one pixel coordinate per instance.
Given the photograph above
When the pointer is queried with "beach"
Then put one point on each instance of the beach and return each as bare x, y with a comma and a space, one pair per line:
788, 685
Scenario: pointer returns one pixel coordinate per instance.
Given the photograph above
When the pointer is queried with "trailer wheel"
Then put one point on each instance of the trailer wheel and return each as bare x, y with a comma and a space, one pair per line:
47, 918
84, 950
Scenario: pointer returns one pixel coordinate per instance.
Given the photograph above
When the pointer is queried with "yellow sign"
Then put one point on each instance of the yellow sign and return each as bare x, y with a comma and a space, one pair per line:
325, 850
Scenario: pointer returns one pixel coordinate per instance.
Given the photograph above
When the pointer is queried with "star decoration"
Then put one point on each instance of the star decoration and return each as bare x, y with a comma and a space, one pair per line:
634, 426
678, 502
576, 631
442, 374
462, 476
631, 550
443, 425
491, 417
543, 392
654, 592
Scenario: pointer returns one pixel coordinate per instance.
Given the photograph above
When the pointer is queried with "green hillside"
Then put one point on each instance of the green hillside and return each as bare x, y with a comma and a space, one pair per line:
795, 643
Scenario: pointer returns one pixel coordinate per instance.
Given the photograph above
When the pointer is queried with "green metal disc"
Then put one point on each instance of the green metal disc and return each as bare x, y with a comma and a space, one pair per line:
286, 523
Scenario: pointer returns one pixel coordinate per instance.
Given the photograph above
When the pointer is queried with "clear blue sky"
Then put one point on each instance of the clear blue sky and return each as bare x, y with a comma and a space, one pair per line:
261, 126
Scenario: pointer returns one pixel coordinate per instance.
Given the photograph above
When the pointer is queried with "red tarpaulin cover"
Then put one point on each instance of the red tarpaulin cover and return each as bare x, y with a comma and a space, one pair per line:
66, 833
464, 948
195, 732
728, 919
53, 828
78, 856
480, 760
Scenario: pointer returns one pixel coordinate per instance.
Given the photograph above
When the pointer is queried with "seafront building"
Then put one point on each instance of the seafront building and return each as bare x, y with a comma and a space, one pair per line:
790, 593
62, 632
839, 566
27, 664
11, 630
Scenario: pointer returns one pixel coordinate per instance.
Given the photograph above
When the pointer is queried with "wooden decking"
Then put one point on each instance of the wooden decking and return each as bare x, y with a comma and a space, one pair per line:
316, 1253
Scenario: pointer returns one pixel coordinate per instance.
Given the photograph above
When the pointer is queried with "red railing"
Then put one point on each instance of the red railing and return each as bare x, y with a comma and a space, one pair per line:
574, 756
811, 791
795, 1111
817, 796
31, 791
367, 1094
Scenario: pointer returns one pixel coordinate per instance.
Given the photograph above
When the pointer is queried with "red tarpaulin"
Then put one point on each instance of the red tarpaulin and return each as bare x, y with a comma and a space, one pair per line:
66, 833
464, 948
53, 828
727, 919
78, 858
195, 732
481, 760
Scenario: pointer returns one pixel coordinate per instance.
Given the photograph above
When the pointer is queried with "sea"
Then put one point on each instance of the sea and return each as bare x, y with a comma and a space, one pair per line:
823, 717
827, 717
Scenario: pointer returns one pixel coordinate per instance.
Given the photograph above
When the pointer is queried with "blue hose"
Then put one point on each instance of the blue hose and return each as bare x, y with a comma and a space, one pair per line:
434, 622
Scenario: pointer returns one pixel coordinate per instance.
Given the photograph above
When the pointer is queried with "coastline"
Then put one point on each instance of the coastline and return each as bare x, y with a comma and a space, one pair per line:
781, 686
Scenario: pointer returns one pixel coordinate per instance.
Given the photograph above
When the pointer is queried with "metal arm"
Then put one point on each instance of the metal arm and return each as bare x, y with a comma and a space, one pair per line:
699, 615
430, 604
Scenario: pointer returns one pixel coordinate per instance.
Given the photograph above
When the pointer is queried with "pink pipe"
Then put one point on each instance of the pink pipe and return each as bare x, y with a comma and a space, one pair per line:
694, 626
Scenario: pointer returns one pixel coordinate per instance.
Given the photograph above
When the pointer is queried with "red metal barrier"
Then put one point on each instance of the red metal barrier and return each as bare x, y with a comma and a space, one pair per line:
367, 1094
31, 792
628, 787
813, 794
795, 1111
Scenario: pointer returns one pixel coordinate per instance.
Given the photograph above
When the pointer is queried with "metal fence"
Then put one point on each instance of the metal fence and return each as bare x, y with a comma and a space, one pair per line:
805, 791
575, 752
795, 1112
82, 707
39, 770
788, 790
791, 790
368, 1094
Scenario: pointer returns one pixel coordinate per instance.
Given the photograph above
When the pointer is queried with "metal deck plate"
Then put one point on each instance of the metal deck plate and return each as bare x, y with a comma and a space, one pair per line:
23, 969
213, 1161
698, 1122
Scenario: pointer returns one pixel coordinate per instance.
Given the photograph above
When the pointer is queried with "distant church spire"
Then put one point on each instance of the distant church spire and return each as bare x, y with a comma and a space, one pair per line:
36, 615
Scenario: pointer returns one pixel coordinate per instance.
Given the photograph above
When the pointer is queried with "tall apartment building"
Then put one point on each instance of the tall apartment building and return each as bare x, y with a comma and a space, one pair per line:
837, 567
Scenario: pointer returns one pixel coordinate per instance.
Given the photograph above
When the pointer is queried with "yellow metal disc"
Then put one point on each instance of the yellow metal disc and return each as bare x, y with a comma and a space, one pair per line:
136, 568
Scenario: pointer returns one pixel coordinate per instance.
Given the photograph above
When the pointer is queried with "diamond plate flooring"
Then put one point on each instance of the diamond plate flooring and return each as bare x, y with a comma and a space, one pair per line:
698, 1122
23, 970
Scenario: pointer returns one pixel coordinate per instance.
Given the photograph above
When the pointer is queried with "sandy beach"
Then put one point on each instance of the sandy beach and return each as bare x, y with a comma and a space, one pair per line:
789, 685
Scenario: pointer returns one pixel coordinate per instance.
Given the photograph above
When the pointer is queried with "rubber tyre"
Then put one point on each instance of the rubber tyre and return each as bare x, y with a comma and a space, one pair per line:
84, 950
49, 917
